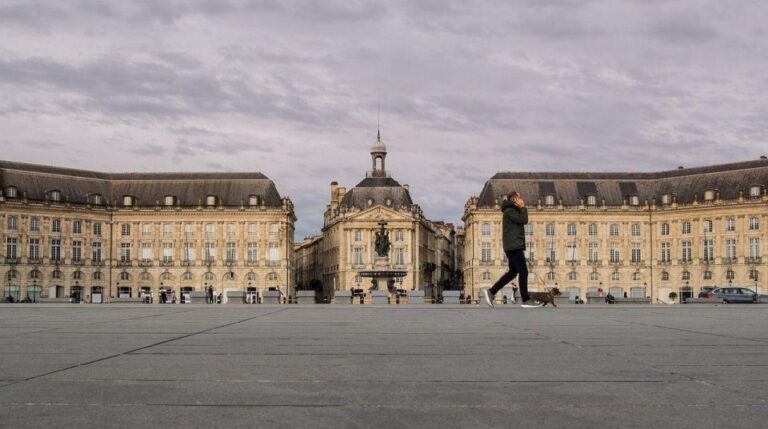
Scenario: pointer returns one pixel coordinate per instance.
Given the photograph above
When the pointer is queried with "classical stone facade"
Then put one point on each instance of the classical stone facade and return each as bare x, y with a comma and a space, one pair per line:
425, 250
639, 234
99, 236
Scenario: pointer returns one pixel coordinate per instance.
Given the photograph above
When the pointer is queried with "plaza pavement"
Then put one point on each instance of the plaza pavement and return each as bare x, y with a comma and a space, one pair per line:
436, 366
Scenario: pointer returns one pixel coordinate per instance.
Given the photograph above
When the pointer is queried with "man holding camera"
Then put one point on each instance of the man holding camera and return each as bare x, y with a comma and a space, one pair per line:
513, 237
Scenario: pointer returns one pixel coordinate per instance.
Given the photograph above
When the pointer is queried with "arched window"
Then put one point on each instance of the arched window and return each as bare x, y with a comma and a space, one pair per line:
272, 276
209, 276
125, 276
166, 276
615, 276
251, 276
127, 201
54, 196
77, 275
35, 275
11, 192
186, 276
591, 200
97, 275
571, 229
56, 274
636, 276
572, 275
145, 276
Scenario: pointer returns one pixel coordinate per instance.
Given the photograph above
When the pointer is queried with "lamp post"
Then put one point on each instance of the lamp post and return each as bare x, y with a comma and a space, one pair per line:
645, 289
687, 288
34, 289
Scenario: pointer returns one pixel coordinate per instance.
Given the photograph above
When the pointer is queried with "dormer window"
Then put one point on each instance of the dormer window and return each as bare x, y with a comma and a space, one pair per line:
128, 201
549, 200
370, 202
666, 199
97, 199
754, 191
169, 201
634, 200
253, 200
388, 202
11, 192
591, 200
709, 195
54, 196
210, 201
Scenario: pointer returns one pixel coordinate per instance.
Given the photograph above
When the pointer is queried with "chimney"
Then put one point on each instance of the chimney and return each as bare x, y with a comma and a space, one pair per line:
334, 191
405, 185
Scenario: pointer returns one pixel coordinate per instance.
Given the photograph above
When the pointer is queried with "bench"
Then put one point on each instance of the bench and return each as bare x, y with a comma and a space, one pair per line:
621, 300
342, 297
703, 301
451, 297
416, 297
305, 297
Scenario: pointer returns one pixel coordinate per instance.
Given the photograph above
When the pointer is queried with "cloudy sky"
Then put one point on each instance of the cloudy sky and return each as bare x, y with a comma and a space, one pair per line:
465, 88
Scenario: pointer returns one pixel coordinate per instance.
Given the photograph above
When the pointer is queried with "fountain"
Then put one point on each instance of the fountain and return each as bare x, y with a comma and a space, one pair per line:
382, 270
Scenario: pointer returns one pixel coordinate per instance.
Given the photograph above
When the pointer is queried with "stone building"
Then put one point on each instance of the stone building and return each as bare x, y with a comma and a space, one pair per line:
640, 234
97, 236
420, 247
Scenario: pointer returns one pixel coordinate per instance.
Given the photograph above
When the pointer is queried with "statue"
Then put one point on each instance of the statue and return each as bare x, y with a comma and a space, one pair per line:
382, 241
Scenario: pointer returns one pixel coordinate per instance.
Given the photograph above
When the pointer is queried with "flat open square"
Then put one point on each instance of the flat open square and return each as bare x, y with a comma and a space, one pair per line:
386, 366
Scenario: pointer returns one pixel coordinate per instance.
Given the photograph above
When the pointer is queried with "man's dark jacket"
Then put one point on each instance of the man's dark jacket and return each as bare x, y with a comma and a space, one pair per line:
512, 228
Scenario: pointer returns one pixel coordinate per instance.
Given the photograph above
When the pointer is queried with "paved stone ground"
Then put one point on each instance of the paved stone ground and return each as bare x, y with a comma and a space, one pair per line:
387, 366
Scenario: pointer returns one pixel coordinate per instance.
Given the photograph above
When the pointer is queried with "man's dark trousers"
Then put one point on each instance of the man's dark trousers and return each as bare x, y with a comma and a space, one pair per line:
517, 266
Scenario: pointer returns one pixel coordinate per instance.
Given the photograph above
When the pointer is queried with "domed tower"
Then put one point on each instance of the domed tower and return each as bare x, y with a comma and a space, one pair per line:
378, 153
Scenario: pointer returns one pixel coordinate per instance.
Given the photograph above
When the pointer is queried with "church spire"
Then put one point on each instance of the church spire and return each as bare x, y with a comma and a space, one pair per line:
379, 153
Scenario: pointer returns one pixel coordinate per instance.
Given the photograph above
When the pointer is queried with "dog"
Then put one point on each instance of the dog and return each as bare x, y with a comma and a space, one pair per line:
546, 297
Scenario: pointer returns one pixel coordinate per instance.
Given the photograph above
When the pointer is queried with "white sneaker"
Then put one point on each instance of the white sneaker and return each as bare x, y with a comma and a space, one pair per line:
488, 298
531, 304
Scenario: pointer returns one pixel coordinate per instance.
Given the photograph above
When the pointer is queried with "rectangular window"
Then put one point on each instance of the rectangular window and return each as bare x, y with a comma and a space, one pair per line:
11, 245
572, 252
209, 229
273, 229
730, 224
96, 227
146, 252
189, 252
486, 228
34, 224
125, 229
551, 252
252, 252
485, 252
635, 229
685, 251
686, 227
529, 252
637, 254
167, 252
167, 230
125, 252
146, 229
571, 230
528, 229
231, 251
357, 256
231, 229
754, 247
615, 255
399, 236
96, 251
592, 229
707, 225
188, 230
664, 229
709, 251
209, 251
730, 248
77, 250
56, 225
274, 252
666, 252
549, 229
614, 229
754, 223
77, 227
253, 229
399, 256
55, 249
593, 252
34, 248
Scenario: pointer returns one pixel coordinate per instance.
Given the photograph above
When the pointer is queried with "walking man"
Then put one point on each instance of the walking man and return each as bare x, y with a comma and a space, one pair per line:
513, 237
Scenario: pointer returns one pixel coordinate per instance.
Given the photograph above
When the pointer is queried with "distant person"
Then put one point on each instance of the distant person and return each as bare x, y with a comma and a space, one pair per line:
514, 218
209, 295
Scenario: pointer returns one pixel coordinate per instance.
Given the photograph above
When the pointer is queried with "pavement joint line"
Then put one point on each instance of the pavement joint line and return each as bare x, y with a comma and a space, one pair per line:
140, 348
737, 392
365, 381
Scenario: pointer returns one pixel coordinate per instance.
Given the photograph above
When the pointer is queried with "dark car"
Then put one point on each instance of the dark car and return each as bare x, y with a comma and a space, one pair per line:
733, 294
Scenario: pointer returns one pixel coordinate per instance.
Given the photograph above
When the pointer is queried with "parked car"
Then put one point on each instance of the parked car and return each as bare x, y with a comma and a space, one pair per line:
705, 290
733, 294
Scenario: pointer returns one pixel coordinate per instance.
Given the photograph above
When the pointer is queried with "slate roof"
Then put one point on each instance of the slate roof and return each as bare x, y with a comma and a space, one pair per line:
377, 189
685, 184
190, 189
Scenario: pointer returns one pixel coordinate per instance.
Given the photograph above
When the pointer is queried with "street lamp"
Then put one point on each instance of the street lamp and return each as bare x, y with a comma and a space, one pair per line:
687, 289
34, 289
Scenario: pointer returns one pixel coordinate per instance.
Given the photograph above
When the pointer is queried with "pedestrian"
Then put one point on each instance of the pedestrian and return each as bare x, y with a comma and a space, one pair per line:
514, 218
210, 295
